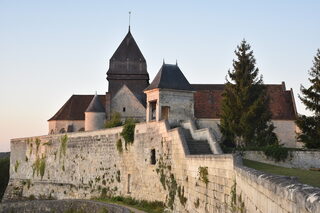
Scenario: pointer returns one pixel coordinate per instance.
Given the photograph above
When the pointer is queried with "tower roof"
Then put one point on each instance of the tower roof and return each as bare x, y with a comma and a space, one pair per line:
170, 77
128, 50
95, 105
128, 58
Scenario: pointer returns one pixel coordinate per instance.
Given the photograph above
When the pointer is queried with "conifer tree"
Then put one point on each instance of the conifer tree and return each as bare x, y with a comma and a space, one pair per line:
310, 125
245, 119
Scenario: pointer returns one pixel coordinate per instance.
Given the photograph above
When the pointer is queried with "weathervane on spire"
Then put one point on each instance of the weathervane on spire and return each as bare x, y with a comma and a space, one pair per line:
129, 19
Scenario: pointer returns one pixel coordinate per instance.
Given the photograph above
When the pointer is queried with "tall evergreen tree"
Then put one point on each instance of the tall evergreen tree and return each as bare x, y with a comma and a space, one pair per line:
245, 119
310, 125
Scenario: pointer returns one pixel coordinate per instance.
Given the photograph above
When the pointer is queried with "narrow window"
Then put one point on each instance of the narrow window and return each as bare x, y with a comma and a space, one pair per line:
129, 190
123, 109
153, 157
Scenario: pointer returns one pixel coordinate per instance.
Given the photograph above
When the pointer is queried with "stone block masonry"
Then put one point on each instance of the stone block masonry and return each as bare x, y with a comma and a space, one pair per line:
156, 167
296, 159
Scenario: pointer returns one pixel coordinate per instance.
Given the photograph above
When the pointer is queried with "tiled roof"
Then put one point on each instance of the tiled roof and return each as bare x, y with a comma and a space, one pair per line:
75, 107
170, 77
207, 103
208, 99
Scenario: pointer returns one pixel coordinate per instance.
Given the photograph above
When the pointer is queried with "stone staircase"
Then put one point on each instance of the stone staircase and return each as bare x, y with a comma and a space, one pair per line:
196, 147
199, 141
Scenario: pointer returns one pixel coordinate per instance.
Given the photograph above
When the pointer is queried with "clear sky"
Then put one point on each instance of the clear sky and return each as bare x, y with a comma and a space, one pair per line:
50, 50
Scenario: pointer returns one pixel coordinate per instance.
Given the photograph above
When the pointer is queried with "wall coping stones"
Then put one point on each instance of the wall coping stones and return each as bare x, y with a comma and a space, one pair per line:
303, 195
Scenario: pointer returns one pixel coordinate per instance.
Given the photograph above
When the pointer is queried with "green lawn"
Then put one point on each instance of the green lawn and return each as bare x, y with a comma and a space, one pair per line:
304, 176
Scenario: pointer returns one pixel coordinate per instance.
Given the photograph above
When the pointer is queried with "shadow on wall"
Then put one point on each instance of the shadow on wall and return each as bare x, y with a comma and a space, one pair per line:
4, 172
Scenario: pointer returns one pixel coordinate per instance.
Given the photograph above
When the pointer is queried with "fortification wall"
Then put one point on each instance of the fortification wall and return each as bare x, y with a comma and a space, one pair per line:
296, 159
92, 165
85, 165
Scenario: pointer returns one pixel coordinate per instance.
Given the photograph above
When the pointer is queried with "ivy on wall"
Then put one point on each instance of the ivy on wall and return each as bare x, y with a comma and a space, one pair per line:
63, 145
203, 174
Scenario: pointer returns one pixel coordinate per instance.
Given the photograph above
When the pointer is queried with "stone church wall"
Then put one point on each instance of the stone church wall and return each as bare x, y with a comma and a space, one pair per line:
88, 164
127, 104
56, 126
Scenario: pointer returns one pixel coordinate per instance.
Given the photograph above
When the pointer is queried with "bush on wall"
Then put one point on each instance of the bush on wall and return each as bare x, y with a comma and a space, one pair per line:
128, 131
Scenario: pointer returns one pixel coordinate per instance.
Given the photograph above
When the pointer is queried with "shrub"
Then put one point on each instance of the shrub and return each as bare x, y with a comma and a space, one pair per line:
128, 131
276, 152
114, 121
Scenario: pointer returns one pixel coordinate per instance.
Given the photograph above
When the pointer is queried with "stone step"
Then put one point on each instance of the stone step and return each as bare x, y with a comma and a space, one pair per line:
196, 147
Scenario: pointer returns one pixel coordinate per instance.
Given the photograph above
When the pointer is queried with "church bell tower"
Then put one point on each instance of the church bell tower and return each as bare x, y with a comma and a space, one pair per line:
128, 66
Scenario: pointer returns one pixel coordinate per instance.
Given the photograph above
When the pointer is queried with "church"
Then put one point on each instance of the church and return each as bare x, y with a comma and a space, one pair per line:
169, 96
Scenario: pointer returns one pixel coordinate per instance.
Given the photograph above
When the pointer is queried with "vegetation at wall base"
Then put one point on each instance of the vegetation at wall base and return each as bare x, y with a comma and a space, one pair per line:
304, 176
114, 121
245, 117
310, 125
151, 207
4, 175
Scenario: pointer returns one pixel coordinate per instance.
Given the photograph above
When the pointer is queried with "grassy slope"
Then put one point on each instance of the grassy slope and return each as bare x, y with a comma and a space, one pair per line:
4, 174
304, 176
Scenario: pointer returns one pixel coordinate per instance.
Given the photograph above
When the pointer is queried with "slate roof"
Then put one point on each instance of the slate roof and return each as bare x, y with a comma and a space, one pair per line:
95, 105
75, 107
170, 77
208, 100
128, 49
128, 55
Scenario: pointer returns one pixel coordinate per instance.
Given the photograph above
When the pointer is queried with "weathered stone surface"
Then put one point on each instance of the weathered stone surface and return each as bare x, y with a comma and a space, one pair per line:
92, 165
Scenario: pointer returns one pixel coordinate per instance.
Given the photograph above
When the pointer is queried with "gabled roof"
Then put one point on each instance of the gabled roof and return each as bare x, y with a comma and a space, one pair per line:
127, 96
75, 107
96, 105
128, 49
208, 101
170, 77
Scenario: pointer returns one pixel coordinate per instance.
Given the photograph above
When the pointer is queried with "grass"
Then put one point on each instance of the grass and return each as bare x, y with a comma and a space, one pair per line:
304, 176
150, 207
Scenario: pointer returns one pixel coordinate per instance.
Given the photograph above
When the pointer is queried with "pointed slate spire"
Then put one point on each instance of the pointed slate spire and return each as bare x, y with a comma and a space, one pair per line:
127, 50
95, 105
128, 66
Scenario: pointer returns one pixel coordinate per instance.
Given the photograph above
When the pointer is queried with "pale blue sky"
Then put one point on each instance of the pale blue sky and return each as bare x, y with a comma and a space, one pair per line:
50, 50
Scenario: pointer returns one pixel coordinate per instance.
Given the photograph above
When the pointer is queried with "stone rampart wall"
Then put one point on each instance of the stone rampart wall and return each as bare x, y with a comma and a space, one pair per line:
91, 165
296, 159
260, 192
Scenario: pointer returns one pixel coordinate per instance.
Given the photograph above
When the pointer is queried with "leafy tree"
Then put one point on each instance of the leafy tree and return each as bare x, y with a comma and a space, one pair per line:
245, 119
310, 125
